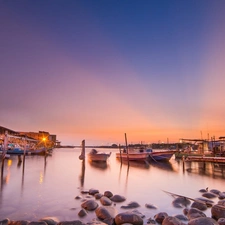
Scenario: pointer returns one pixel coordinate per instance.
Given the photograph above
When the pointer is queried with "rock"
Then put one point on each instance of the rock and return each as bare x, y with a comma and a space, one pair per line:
5, 221
150, 206
151, 221
107, 216
130, 205
209, 195
37, 223
82, 213
215, 191
181, 202
105, 200
108, 194
203, 221
50, 220
19, 222
218, 211
160, 217
128, 217
89, 205
221, 202
194, 213
118, 198
74, 222
78, 197
181, 217
170, 220
208, 202
203, 190
221, 195
198, 205
93, 191
98, 195
221, 221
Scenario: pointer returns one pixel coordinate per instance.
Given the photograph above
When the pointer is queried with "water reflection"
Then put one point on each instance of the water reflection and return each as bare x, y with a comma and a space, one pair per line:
168, 166
99, 165
137, 164
82, 174
214, 170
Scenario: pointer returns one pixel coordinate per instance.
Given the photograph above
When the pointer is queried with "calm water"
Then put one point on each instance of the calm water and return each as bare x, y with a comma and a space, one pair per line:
48, 186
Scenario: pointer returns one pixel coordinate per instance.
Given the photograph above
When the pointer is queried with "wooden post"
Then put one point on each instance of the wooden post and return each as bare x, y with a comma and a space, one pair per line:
82, 156
120, 154
127, 149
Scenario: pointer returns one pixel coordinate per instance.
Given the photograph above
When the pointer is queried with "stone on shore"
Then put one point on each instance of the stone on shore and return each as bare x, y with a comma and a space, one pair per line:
98, 195
150, 206
106, 214
89, 205
128, 217
209, 195
82, 213
108, 194
193, 213
130, 205
37, 223
74, 222
199, 205
171, 220
181, 202
159, 217
118, 198
105, 200
203, 221
221, 221
50, 220
19, 222
5, 221
93, 191
218, 211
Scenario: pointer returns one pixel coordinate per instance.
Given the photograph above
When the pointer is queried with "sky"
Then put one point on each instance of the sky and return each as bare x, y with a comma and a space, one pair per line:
95, 70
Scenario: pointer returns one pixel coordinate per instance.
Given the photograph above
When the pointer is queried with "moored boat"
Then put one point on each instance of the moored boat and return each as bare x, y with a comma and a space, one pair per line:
97, 156
160, 155
132, 155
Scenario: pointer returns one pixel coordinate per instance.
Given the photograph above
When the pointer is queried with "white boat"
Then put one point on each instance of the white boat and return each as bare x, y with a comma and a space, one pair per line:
132, 155
97, 156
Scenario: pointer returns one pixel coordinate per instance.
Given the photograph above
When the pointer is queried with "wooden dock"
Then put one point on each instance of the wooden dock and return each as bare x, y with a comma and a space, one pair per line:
205, 159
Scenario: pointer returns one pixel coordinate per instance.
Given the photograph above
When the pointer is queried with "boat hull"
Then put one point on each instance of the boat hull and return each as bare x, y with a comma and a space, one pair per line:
161, 155
98, 157
133, 156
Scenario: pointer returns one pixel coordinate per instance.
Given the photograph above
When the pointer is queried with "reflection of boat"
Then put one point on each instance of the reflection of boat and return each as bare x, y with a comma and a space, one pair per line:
99, 164
161, 155
138, 164
97, 156
163, 165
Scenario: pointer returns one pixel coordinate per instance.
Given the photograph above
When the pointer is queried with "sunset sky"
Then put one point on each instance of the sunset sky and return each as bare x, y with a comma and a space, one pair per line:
95, 70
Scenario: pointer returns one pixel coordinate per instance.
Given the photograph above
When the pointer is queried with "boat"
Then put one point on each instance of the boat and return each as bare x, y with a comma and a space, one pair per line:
132, 155
160, 155
96, 156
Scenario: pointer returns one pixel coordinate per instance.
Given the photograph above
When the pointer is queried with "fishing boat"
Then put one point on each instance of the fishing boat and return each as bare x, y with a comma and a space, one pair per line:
97, 156
132, 155
160, 155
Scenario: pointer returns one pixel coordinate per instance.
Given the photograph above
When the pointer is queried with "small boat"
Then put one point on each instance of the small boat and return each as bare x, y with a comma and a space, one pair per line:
160, 155
132, 155
97, 156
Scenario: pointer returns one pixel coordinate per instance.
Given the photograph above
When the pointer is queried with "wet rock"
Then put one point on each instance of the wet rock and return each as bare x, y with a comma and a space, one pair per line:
89, 205
128, 217
215, 191
105, 214
19, 222
130, 205
194, 213
151, 221
159, 217
74, 222
37, 223
209, 195
96, 222
181, 217
93, 191
98, 195
5, 221
150, 206
105, 200
170, 220
181, 202
203, 221
118, 198
108, 194
221, 195
78, 197
218, 211
207, 201
82, 213
198, 205
221, 202
221, 221
50, 220
203, 190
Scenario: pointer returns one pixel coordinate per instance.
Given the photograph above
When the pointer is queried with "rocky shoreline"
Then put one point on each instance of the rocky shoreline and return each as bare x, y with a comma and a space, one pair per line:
192, 211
